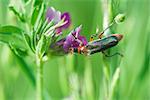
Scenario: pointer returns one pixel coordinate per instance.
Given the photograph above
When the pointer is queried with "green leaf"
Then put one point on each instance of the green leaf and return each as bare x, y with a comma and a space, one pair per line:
12, 35
42, 45
39, 17
25, 1
18, 51
37, 23
33, 41
21, 16
10, 29
28, 40
26, 68
35, 15
38, 2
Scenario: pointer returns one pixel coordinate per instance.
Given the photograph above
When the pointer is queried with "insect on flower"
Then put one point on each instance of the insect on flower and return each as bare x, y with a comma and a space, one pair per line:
99, 45
75, 43
64, 45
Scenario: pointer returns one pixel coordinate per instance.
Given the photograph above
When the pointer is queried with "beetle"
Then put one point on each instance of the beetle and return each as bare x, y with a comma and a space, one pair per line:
99, 45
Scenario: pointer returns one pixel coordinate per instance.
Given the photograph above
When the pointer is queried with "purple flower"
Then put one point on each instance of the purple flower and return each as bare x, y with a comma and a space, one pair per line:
74, 40
56, 48
56, 16
66, 17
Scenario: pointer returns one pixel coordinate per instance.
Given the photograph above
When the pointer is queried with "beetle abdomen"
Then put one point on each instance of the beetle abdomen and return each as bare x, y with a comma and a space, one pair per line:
101, 44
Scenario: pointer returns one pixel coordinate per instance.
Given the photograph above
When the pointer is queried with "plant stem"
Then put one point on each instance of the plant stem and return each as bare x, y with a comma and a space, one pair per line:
114, 82
106, 71
106, 67
39, 78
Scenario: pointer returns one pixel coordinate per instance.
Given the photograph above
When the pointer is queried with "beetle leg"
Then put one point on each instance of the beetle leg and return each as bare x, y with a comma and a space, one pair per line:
100, 35
71, 50
117, 53
92, 36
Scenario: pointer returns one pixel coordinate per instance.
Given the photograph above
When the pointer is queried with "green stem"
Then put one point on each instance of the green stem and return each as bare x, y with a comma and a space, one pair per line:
106, 67
106, 71
39, 79
114, 82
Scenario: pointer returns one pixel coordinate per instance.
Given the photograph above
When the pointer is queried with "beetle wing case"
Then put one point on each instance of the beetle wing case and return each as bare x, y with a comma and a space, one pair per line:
101, 44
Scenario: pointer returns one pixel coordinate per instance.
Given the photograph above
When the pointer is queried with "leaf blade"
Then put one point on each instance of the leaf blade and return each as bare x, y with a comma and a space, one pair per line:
12, 34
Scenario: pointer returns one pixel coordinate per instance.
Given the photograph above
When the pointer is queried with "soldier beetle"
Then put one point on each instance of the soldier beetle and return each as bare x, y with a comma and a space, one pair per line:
99, 45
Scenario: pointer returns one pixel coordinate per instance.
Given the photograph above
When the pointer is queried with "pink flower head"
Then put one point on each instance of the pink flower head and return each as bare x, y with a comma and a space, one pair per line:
74, 39
56, 16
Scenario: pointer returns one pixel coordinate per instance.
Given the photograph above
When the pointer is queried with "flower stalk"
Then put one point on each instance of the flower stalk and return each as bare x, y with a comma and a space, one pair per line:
39, 78
106, 26
109, 83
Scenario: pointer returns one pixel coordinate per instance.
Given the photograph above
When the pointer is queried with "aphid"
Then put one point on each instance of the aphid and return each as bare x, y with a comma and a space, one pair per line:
99, 45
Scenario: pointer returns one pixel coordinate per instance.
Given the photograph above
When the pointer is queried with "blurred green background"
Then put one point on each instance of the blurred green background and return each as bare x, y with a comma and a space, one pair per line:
85, 74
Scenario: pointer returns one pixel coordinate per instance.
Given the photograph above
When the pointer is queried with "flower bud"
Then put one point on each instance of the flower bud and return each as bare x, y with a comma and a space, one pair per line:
119, 18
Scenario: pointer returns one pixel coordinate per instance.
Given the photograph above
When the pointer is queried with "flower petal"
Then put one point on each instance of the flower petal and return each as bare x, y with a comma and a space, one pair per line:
83, 39
77, 31
71, 42
50, 13
57, 17
56, 48
67, 19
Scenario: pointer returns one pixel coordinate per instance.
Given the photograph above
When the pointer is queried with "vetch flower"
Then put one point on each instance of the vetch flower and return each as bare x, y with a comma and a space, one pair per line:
56, 17
60, 22
74, 40
56, 48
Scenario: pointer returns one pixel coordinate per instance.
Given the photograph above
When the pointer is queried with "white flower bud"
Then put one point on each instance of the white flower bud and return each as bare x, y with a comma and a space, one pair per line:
119, 18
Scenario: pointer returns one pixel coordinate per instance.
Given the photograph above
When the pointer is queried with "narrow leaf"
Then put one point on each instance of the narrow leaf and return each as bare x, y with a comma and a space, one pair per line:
21, 16
10, 29
39, 17
35, 15
18, 51
25, 1
38, 2
25, 68
28, 41
13, 35
42, 45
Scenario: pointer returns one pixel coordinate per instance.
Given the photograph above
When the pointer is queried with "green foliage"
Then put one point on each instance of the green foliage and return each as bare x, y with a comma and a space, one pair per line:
42, 45
26, 1
12, 35
35, 15
28, 41
24, 66
37, 2
21, 16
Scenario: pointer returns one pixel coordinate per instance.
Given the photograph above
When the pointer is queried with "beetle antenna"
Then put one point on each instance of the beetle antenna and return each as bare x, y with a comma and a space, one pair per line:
99, 34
